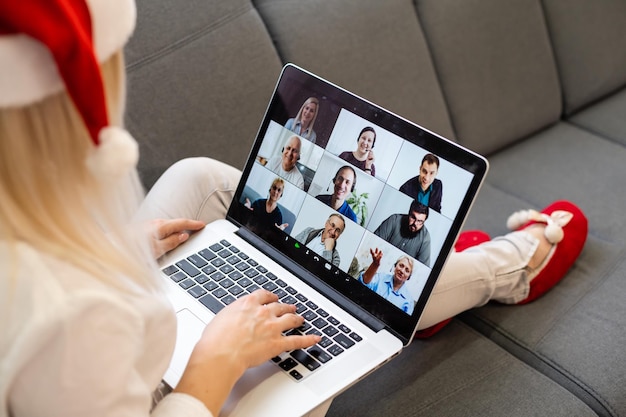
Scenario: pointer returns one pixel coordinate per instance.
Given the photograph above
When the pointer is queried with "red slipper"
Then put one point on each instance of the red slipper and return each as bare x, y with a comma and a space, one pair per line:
465, 240
567, 229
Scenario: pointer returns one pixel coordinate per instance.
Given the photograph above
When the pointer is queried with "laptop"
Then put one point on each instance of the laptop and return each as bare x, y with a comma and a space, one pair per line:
331, 212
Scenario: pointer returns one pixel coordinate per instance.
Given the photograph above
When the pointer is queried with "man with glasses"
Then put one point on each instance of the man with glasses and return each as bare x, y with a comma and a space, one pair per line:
408, 233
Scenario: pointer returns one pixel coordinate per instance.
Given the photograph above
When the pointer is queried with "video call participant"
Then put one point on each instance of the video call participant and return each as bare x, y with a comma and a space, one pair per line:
425, 188
265, 211
303, 123
407, 232
390, 286
343, 184
363, 156
324, 241
285, 164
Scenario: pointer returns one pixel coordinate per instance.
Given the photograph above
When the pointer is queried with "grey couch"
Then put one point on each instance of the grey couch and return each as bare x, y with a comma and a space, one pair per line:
536, 86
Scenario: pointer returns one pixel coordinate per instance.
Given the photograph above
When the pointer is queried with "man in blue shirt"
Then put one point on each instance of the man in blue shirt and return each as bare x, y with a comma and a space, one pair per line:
343, 184
391, 287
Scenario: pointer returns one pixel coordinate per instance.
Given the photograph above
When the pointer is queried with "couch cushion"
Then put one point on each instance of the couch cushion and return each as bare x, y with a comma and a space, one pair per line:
456, 373
496, 68
588, 38
199, 82
605, 118
380, 56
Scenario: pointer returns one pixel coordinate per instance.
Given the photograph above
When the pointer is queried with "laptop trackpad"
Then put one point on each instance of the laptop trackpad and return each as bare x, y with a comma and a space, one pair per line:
188, 333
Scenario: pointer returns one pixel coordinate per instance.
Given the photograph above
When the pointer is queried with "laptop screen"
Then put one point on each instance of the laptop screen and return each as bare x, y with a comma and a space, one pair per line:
366, 201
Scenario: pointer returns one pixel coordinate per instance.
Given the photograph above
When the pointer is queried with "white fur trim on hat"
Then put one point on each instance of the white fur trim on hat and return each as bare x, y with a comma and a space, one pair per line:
28, 72
116, 155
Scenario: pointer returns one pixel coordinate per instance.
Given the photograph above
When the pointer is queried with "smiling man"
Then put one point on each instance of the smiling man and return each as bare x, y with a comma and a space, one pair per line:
284, 165
343, 184
425, 188
324, 241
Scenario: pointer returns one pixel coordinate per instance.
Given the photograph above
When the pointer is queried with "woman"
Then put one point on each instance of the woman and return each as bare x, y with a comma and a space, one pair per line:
265, 211
83, 321
303, 123
390, 286
363, 156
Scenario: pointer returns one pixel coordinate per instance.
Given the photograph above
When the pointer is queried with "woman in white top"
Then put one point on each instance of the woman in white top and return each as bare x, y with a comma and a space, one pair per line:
84, 327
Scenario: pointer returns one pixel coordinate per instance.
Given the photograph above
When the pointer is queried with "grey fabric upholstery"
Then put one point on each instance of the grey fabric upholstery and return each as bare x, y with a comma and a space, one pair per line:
539, 86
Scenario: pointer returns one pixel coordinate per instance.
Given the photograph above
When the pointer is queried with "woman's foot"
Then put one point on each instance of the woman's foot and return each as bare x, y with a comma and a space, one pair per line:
561, 229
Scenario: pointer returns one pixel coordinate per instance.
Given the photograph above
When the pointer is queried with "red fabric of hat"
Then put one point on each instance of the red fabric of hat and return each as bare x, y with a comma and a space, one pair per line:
64, 27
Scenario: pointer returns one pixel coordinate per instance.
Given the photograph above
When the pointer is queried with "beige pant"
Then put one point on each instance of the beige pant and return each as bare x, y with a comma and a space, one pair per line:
202, 189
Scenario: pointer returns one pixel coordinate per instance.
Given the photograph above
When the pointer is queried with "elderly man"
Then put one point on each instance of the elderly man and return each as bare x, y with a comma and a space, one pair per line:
324, 241
285, 164
408, 233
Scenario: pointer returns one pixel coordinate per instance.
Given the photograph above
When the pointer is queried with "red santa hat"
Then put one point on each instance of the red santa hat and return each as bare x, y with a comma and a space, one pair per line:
50, 45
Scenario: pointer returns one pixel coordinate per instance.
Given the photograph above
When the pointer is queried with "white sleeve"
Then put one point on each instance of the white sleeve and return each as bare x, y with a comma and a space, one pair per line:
180, 405
91, 360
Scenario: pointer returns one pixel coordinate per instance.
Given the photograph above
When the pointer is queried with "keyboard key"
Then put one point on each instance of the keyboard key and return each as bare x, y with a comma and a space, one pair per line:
344, 328
333, 320
320, 323
270, 286
330, 331
235, 275
219, 292
197, 291
306, 360
217, 262
319, 354
218, 276
311, 305
211, 303
186, 284
356, 337
244, 282
179, 276
226, 283
325, 342
216, 247
207, 254
281, 283
260, 280
169, 270
251, 273
322, 312
236, 290
335, 350
296, 375
344, 341
227, 269
197, 260
233, 249
288, 364
201, 279
210, 286
261, 269
189, 269
224, 253
209, 269
302, 298
233, 259
225, 242
228, 299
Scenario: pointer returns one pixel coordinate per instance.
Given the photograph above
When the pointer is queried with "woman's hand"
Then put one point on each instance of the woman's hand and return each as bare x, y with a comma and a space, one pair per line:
168, 234
245, 334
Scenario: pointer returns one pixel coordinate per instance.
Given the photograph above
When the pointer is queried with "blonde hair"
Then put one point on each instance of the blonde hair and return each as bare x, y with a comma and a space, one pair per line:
309, 130
52, 202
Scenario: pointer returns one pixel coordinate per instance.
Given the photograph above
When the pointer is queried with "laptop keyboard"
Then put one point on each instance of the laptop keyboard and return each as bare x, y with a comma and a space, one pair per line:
218, 275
